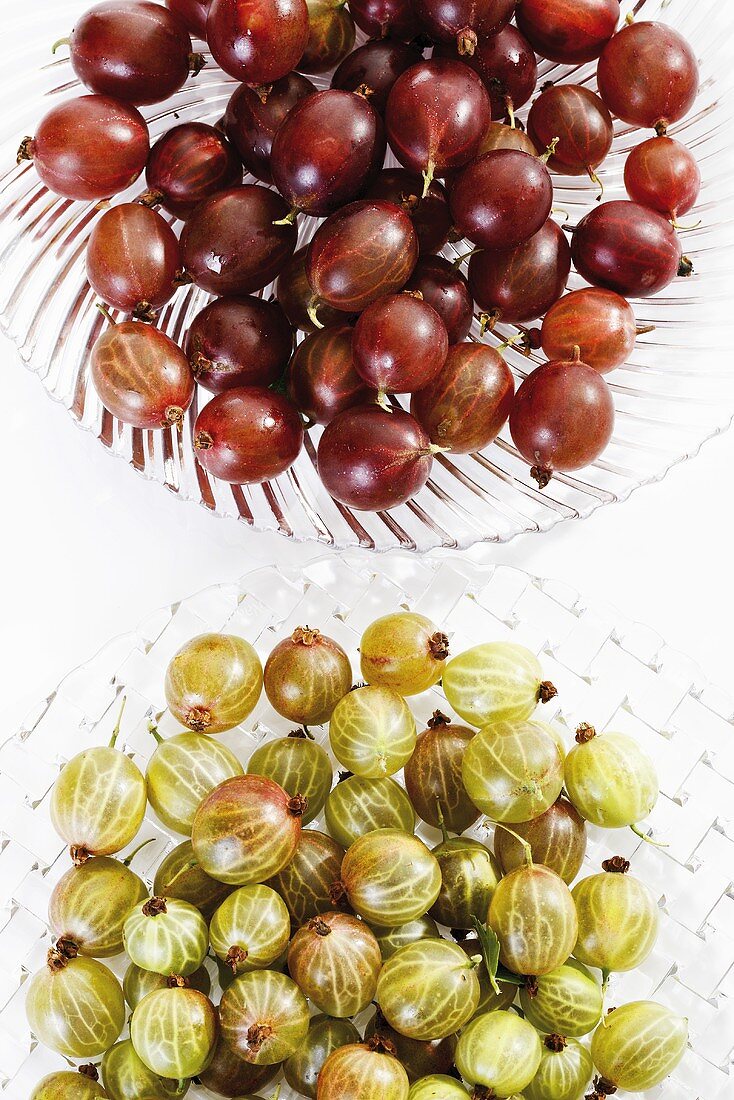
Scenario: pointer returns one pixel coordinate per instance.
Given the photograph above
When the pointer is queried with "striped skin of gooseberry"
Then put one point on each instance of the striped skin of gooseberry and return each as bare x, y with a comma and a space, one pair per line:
250, 929
75, 1005
469, 877
174, 1031
167, 936
499, 1051
433, 775
183, 770
404, 651
69, 1085
324, 1036
372, 731
90, 902
228, 1075
389, 877
534, 917
335, 960
567, 1001
437, 1087
639, 1044
138, 983
264, 1017
564, 1072
306, 675
513, 771
557, 839
363, 1071
357, 806
418, 1057
304, 883
392, 939
299, 765
127, 1077
618, 918
609, 779
247, 830
428, 990
495, 682
98, 802
214, 682
180, 876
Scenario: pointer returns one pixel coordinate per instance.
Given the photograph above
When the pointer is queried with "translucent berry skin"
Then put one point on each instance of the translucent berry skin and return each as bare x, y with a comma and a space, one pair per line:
513, 771
386, 18
213, 682
392, 939
429, 214
294, 293
250, 929
190, 1016
648, 75
236, 342
138, 983
322, 381
89, 904
499, 1051
331, 36
306, 675
581, 122
254, 114
506, 63
433, 775
355, 1072
141, 376
133, 258
232, 246
404, 651
419, 1057
371, 459
68, 1085
611, 781
501, 198
445, 994
76, 1008
126, 1075
372, 731
382, 355
639, 1045
390, 878
465, 407
493, 682
357, 806
534, 917
257, 41
569, 31
557, 839
180, 876
563, 417
264, 999
501, 136
98, 801
192, 14
463, 21
437, 1086
326, 151
304, 882
300, 766
335, 960
446, 289
90, 147
618, 921
248, 435
188, 164
137, 52
599, 322
325, 1035
567, 1001
469, 877
182, 770
563, 1073
518, 284
436, 115
375, 65
662, 174
167, 936
366, 249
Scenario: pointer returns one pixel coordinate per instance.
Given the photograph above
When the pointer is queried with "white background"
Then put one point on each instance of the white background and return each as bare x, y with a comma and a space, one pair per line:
88, 548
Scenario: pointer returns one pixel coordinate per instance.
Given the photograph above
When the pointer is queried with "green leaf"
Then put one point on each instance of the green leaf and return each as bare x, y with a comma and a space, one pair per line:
490, 946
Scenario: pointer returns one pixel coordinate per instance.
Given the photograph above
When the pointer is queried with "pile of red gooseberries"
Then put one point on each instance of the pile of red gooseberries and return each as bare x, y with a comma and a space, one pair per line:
299, 926
370, 309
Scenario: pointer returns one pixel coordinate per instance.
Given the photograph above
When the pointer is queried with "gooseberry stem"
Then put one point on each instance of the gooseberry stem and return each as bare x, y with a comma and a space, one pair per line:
313, 305
546, 156
66, 41
428, 177
510, 110
153, 731
466, 256
684, 228
116, 730
648, 839
642, 329
528, 851
105, 312
128, 859
441, 822
595, 179
289, 218
604, 986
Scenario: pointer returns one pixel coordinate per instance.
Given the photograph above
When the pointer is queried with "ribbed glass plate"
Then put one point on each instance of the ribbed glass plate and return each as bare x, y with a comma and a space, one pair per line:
609, 671
677, 390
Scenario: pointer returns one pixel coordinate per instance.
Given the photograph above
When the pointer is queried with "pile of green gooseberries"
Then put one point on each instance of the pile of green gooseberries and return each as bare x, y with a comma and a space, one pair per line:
354, 959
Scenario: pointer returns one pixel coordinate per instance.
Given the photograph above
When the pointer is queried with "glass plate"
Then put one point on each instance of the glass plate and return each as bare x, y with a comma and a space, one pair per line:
676, 391
609, 671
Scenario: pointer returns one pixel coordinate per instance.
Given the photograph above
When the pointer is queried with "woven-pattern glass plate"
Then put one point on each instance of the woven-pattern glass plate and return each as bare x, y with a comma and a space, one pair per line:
613, 673
677, 390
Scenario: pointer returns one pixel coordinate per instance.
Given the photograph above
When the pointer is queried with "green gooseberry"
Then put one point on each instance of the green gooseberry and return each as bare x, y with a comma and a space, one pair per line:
499, 1051
183, 770
214, 682
299, 765
428, 990
513, 771
433, 774
75, 1005
305, 677
180, 876
138, 983
372, 731
610, 780
469, 877
534, 918
126, 1077
618, 918
495, 682
325, 1035
567, 1001
389, 877
357, 806
437, 1087
638, 1045
335, 961
264, 1017
391, 940
250, 929
404, 651
167, 936
70, 1085
419, 1057
174, 1031
363, 1071
564, 1072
